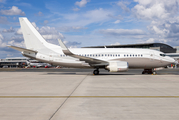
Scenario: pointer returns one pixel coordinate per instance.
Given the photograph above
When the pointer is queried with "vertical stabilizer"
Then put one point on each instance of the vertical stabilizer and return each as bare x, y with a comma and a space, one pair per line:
33, 39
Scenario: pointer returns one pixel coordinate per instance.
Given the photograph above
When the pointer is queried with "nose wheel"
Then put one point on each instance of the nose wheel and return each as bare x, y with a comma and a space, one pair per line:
96, 72
149, 71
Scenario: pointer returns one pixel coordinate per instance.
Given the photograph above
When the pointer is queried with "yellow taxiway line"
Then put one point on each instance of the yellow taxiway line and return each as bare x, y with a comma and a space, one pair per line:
89, 96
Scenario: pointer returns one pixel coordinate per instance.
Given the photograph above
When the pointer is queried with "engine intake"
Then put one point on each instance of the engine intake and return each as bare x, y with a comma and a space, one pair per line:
117, 66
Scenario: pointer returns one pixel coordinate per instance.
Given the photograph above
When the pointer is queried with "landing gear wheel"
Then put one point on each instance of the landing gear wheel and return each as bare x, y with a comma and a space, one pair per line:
147, 71
96, 72
154, 73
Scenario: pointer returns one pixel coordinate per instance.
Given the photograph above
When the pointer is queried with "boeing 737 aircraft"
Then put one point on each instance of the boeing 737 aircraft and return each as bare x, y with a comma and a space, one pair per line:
111, 59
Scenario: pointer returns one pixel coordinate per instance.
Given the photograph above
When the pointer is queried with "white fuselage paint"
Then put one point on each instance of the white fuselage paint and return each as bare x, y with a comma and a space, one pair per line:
136, 58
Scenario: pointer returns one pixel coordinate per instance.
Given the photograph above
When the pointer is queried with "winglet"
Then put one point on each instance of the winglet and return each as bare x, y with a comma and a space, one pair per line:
62, 45
64, 48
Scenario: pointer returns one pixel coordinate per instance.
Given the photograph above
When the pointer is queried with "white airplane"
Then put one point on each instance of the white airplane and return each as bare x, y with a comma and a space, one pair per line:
111, 59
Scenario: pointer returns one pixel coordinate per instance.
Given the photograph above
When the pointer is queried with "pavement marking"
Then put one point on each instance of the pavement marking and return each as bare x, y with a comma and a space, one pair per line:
89, 96
67, 97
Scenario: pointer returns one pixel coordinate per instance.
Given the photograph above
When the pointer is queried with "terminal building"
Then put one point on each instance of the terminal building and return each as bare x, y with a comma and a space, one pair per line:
13, 62
21, 62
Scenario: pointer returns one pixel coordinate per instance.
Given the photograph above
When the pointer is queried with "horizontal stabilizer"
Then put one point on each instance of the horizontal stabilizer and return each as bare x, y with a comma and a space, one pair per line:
22, 49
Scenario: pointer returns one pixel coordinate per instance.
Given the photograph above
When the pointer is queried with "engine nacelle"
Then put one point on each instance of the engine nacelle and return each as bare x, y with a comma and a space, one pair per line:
117, 66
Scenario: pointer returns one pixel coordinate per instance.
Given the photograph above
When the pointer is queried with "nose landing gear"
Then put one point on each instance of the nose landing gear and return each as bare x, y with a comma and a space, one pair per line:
149, 71
96, 72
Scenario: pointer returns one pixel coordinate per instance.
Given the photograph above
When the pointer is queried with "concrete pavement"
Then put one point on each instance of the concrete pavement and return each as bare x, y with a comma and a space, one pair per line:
79, 96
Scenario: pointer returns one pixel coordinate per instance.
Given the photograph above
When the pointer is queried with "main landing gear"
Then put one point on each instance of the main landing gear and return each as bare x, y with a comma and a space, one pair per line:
149, 71
96, 72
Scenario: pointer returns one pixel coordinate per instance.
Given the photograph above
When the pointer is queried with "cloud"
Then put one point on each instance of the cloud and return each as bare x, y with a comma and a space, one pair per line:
39, 14
154, 40
3, 20
13, 11
166, 28
5, 51
163, 18
18, 44
50, 33
72, 44
24, 4
34, 24
2, 44
45, 22
119, 17
123, 6
122, 32
17, 38
72, 28
82, 3
93, 16
76, 9
2, 1
151, 40
8, 30
117, 21
155, 9
18, 32
117, 43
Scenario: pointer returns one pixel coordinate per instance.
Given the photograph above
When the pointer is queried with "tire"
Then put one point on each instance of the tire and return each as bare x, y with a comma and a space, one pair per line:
154, 73
96, 72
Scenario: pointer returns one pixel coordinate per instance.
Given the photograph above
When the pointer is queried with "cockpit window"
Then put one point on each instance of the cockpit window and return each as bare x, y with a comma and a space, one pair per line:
163, 55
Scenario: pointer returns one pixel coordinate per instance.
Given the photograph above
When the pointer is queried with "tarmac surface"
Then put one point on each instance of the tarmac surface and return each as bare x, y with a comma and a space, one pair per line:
76, 94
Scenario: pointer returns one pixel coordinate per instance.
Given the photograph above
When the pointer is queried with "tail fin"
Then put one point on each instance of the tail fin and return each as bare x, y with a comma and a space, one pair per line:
33, 39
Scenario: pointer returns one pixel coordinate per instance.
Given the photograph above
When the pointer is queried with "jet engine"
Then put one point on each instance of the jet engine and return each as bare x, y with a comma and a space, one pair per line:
117, 66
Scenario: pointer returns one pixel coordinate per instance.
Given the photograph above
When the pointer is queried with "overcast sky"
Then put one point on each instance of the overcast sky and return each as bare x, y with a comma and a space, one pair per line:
81, 23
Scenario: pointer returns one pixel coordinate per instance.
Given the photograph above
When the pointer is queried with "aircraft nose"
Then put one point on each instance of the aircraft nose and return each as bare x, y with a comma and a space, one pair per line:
176, 61
172, 60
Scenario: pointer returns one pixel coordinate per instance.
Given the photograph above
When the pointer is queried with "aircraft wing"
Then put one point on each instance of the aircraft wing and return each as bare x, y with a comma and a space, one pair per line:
92, 61
22, 49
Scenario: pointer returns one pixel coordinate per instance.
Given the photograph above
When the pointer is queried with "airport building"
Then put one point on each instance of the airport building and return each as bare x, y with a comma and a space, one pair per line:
177, 48
20, 62
13, 62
